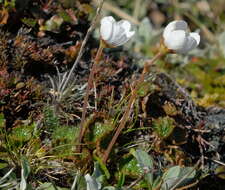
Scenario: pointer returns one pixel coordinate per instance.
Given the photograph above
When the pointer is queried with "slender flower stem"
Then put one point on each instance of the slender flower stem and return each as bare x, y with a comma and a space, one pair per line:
130, 104
87, 93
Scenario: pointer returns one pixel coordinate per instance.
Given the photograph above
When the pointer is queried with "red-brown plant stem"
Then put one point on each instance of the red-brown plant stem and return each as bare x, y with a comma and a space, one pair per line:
130, 104
87, 93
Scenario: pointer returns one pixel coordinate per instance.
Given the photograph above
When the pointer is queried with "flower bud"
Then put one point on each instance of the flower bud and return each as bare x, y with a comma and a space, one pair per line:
177, 38
115, 33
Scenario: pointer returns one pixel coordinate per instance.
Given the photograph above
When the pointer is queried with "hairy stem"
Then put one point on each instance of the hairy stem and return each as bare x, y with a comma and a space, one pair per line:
64, 82
130, 104
87, 93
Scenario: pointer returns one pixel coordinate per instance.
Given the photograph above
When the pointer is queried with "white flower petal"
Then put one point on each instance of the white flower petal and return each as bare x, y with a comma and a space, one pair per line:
122, 40
130, 34
176, 40
196, 36
106, 27
125, 24
175, 25
122, 35
192, 42
115, 33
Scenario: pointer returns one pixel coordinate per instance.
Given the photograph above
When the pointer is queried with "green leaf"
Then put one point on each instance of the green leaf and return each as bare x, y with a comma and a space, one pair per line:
2, 180
157, 182
121, 180
221, 41
20, 135
98, 174
145, 88
49, 186
101, 166
64, 134
129, 166
29, 22
53, 24
109, 188
3, 164
65, 16
177, 176
92, 183
2, 120
163, 126
46, 186
145, 162
24, 173
50, 119
99, 130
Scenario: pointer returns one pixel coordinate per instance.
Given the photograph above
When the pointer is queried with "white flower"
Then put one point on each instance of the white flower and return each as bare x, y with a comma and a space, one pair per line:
177, 38
115, 33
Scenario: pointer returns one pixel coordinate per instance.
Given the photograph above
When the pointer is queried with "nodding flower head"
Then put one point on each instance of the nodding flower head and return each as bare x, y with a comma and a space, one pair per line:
178, 39
115, 33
